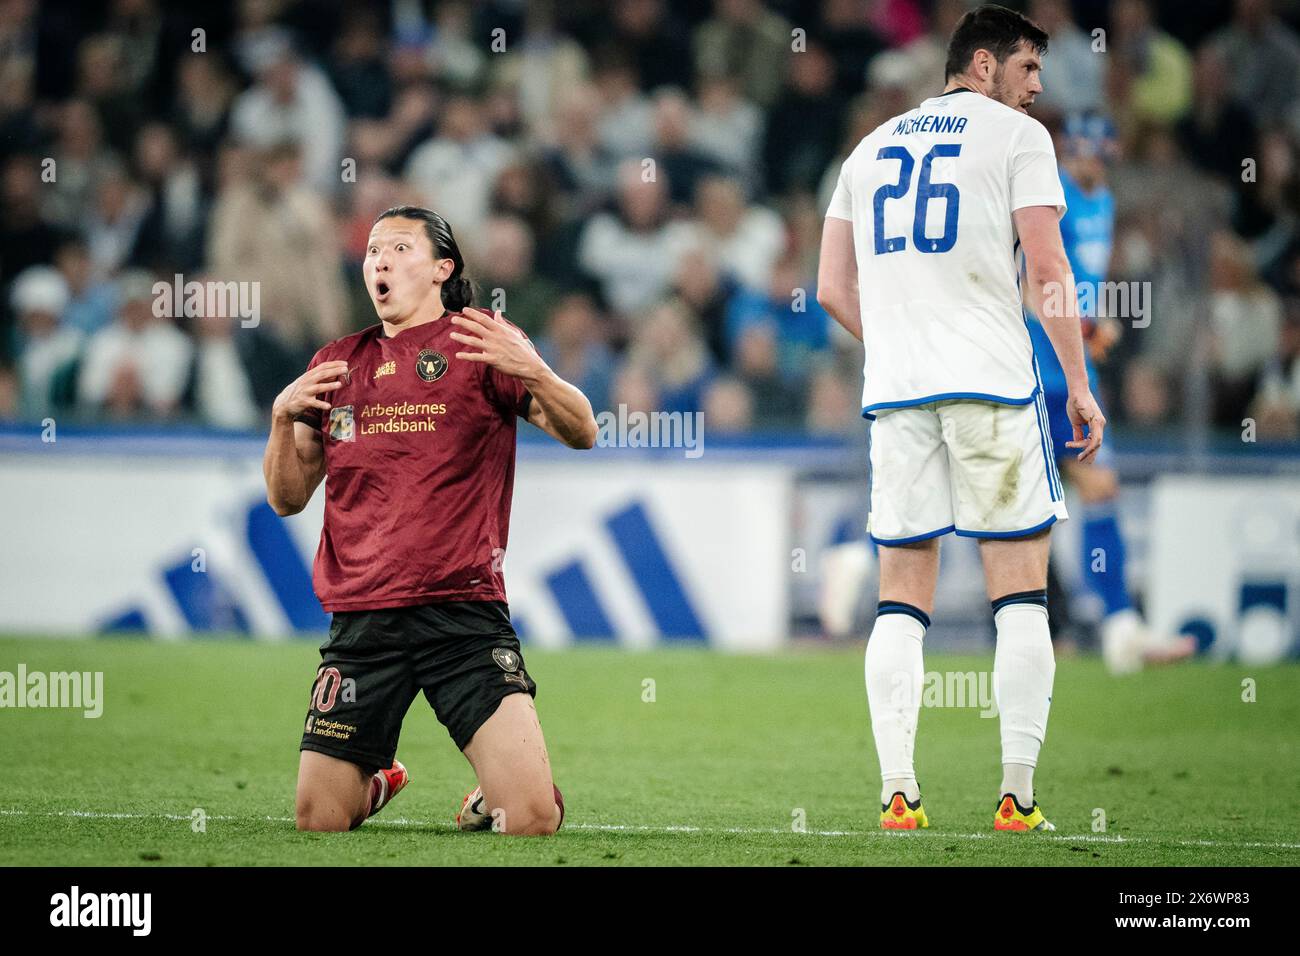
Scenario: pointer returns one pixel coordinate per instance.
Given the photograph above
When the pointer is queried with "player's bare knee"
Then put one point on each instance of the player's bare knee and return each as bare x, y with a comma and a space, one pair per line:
533, 816
317, 816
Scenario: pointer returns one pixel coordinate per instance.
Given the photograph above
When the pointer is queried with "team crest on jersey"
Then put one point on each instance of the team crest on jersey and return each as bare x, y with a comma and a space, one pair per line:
388, 368
431, 365
506, 659
342, 425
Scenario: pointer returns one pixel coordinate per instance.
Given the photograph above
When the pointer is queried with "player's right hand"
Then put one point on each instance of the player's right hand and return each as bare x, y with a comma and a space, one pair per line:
303, 392
1083, 410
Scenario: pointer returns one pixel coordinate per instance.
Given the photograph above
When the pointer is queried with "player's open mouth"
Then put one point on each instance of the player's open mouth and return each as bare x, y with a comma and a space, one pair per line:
381, 291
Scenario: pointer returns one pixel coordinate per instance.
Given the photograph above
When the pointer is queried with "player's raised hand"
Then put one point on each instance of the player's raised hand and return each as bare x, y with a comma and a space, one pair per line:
1084, 410
501, 345
304, 392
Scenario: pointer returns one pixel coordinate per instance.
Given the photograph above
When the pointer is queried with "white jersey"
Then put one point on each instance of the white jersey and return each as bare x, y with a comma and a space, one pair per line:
930, 195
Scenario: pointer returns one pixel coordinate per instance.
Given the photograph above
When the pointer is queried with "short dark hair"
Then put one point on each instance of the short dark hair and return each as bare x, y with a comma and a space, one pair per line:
993, 28
457, 291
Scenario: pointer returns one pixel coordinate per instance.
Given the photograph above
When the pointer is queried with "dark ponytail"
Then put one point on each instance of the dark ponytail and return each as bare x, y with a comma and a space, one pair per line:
457, 291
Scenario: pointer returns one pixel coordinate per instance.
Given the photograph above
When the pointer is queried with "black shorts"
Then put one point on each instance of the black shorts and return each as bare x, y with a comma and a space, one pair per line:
464, 655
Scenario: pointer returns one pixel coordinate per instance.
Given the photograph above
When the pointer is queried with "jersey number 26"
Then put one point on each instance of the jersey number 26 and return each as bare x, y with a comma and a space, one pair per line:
925, 191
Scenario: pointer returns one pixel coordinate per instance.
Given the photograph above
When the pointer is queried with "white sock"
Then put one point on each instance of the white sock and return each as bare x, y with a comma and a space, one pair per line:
1018, 780
895, 674
1023, 668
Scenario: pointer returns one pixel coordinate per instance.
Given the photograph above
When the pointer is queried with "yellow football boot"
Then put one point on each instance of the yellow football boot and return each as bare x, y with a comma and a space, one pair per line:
1011, 816
898, 814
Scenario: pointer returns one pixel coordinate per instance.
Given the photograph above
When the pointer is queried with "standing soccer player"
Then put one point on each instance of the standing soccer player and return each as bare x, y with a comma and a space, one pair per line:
919, 261
413, 423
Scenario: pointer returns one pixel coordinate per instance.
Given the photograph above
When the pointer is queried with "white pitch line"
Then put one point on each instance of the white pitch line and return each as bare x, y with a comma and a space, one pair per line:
681, 828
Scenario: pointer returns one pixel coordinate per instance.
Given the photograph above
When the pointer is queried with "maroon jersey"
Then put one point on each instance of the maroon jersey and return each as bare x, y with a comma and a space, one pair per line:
419, 471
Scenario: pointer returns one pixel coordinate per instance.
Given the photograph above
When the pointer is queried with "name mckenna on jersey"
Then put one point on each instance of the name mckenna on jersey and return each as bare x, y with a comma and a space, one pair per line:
930, 123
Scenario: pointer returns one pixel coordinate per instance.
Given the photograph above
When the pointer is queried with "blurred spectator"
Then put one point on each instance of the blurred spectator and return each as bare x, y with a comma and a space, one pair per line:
758, 362
1072, 70
1246, 325
171, 235
673, 150
1263, 56
113, 221
1146, 398
747, 240
80, 162
541, 69
898, 22
729, 129
357, 67
574, 346
806, 123
788, 306
580, 166
47, 347
834, 404
702, 287
927, 54
1219, 132
505, 273
657, 41
627, 125
389, 142
669, 351
454, 55
634, 254
25, 238
1151, 72
92, 302
293, 101
137, 366
846, 33
744, 39
456, 169
521, 191
1277, 405
728, 407
635, 388
217, 390
271, 229
103, 80
1267, 208
204, 93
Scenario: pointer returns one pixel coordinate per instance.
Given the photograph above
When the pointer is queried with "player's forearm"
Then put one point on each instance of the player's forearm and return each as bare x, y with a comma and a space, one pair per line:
287, 487
842, 304
1050, 295
568, 411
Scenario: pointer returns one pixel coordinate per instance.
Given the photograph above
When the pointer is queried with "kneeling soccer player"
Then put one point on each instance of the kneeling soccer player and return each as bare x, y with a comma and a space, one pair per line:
417, 439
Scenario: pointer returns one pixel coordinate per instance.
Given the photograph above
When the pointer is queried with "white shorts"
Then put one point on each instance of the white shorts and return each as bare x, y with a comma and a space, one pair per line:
981, 469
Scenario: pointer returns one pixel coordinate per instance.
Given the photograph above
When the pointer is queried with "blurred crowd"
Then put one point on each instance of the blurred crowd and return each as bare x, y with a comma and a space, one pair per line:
638, 184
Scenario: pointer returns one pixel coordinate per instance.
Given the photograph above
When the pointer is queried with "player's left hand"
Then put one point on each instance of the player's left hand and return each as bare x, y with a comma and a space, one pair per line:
503, 346
1083, 409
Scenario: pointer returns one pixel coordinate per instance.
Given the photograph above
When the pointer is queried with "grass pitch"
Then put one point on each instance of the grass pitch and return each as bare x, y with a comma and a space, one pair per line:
730, 756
